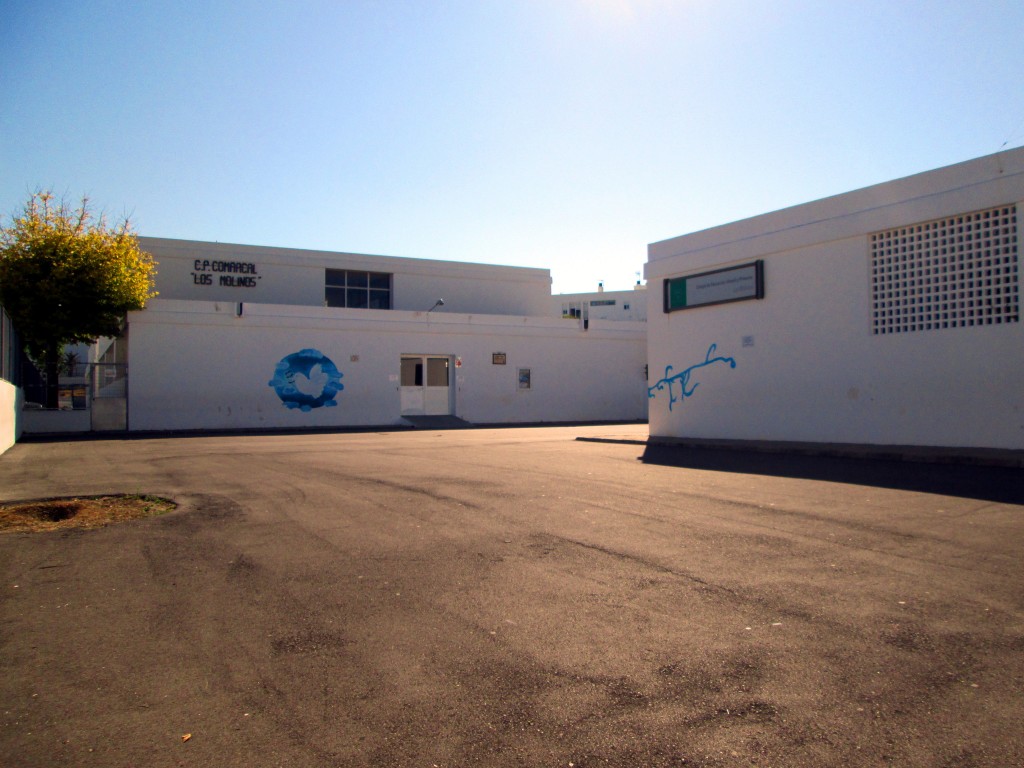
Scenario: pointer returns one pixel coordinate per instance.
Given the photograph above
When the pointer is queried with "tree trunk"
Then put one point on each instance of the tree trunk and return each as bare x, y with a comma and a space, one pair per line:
52, 365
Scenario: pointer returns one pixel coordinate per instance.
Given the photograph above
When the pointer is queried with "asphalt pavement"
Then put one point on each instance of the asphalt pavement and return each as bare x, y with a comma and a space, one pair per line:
511, 597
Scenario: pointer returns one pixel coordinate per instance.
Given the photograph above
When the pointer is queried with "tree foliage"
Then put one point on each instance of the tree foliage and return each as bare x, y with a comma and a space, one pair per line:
67, 277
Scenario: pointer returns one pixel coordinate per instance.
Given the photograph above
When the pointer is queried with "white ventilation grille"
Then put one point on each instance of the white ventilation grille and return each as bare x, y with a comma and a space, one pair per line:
949, 273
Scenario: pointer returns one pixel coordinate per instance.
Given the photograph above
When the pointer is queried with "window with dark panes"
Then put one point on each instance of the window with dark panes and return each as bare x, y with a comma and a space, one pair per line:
334, 290
356, 289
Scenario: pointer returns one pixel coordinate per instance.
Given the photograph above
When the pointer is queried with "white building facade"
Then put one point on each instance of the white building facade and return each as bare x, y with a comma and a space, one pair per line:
246, 337
885, 316
628, 306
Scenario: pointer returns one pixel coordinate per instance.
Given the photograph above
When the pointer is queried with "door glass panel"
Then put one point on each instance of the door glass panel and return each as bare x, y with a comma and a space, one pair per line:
412, 372
437, 372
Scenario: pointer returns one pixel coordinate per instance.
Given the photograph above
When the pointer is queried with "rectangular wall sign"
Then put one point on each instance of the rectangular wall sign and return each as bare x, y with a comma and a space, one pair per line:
740, 283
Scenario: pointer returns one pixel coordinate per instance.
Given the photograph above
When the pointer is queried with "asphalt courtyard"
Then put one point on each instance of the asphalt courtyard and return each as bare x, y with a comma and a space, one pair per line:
511, 597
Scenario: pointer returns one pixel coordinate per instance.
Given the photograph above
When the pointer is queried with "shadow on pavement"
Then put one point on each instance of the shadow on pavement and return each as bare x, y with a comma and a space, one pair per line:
999, 484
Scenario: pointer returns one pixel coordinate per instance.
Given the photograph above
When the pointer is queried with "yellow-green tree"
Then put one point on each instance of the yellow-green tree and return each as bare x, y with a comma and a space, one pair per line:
66, 277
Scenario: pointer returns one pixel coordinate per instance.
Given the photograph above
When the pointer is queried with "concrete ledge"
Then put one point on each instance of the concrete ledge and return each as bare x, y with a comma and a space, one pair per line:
989, 457
50, 421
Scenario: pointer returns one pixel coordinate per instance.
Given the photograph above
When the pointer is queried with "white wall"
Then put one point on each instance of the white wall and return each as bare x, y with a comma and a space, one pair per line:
10, 412
808, 367
195, 365
295, 276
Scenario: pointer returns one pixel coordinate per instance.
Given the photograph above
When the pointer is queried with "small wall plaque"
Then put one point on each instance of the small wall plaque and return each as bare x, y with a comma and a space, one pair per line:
498, 358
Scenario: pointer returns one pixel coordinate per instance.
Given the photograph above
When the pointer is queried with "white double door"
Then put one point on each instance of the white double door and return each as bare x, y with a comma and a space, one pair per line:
425, 385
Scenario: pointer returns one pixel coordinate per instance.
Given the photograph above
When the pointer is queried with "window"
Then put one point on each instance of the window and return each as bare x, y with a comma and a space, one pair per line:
357, 290
575, 309
437, 372
412, 372
949, 273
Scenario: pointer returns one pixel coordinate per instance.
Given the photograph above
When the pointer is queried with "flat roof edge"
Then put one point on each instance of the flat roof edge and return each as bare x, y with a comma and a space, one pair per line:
288, 253
1005, 164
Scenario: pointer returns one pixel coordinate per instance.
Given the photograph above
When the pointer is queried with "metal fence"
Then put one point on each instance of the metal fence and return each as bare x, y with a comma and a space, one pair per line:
79, 384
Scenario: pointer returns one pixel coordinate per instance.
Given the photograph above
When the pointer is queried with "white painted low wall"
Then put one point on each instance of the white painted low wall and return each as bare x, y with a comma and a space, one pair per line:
10, 414
196, 365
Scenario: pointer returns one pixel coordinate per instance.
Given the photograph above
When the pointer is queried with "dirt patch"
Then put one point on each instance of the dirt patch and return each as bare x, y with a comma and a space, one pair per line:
81, 512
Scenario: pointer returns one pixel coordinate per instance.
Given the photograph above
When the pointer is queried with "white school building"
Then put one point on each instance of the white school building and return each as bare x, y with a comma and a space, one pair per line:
887, 316
246, 337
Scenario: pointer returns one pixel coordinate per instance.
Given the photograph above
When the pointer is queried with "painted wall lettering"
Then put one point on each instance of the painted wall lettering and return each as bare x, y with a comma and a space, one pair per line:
306, 380
683, 378
234, 274
238, 282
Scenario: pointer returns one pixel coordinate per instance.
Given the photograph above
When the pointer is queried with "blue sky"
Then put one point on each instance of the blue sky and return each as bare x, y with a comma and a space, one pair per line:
565, 134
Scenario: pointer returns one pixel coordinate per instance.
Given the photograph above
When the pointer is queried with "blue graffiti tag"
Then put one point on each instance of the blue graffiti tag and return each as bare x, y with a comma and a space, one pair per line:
306, 380
683, 377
